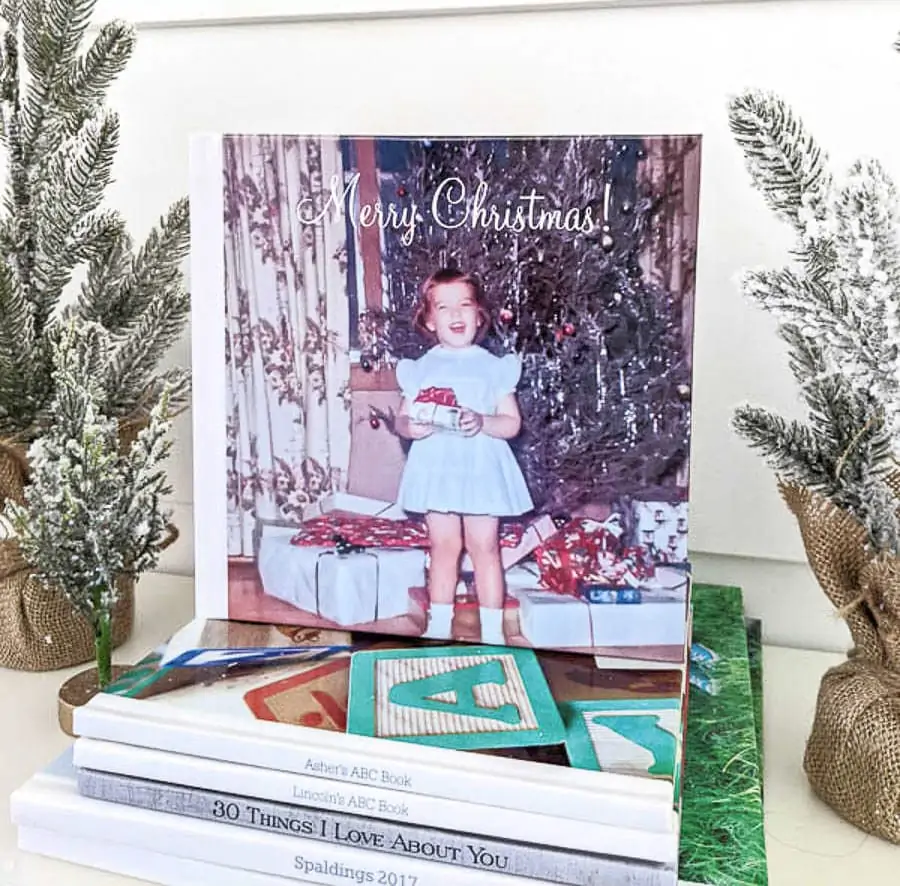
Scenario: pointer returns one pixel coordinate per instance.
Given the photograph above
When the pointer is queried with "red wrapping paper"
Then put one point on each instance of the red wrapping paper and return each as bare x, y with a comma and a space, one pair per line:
438, 396
586, 551
379, 532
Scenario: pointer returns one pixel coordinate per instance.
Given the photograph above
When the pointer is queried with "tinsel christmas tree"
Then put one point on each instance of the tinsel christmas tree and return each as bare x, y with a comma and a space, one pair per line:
92, 514
60, 141
605, 384
838, 312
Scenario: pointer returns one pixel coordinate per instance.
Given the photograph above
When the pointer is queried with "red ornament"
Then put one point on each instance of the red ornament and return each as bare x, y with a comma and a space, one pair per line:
374, 422
506, 315
569, 328
401, 191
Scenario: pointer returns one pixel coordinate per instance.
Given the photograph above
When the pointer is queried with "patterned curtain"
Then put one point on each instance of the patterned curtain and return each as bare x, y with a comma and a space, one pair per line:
287, 347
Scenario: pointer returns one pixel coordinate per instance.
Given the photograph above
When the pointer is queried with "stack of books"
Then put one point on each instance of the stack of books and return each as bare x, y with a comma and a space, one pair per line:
240, 754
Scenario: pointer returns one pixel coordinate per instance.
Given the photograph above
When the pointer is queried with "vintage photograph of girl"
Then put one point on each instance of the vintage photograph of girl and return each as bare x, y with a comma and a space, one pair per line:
459, 387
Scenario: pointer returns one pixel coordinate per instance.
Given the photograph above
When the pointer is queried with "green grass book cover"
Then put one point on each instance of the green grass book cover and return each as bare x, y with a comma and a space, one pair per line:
722, 830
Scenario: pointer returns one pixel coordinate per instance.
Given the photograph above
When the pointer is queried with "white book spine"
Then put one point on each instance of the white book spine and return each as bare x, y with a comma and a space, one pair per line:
600, 797
451, 815
460, 850
54, 804
143, 864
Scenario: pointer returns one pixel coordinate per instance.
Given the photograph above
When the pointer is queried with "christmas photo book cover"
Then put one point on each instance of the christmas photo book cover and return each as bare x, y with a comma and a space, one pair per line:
452, 399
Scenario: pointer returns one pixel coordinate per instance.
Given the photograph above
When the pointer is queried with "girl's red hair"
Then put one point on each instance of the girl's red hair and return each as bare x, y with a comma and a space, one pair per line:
424, 304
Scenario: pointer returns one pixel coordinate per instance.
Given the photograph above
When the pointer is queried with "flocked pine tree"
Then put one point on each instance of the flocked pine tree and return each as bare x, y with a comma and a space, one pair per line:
605, 381
92, 513
838, 312
60, 140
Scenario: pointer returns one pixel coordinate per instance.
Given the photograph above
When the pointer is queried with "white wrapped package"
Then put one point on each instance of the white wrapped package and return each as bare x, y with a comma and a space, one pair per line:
553, 621
445, 418
352, 589
344, 502
659, 620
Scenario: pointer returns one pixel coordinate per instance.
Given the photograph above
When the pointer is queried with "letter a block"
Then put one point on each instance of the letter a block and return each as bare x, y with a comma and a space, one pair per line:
465, 698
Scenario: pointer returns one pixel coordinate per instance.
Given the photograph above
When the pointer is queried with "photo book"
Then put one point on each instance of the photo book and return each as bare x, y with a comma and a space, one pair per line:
443, 386
289, 715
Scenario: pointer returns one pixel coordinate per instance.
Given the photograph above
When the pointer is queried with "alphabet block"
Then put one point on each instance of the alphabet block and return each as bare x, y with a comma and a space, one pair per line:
632, 737
466, 698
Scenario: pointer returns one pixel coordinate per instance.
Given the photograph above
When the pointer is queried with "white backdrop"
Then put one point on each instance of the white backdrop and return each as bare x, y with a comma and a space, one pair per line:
596, 68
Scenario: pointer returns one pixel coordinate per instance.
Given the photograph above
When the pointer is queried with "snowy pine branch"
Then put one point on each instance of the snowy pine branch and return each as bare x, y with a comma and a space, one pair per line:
92, 513
837, 312
86, 83
868, 271
61, 143
70, 193
100, 294
784, 162
138, 353
790, 448
16, 328
154, 270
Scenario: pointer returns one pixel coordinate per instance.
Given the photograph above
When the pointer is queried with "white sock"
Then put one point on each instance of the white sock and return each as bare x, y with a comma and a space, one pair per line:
492, 626
440, 619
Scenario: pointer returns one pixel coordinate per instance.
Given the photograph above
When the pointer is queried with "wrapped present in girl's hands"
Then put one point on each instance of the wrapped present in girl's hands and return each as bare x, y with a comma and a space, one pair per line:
437, 407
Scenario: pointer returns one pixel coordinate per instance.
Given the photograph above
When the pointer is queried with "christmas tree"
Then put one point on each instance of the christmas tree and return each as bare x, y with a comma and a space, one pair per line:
605, 383
60, 141
837, 312
92, 513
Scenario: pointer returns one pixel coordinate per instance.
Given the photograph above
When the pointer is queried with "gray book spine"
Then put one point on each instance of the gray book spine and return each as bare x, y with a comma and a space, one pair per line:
426, 844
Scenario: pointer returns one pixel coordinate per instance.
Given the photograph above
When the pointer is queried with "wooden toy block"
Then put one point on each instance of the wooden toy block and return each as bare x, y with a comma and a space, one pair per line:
467, 698
632, 737
316, 697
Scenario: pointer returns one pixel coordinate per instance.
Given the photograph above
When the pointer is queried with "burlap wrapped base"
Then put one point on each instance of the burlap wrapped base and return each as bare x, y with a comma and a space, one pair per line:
39, 630
852, 757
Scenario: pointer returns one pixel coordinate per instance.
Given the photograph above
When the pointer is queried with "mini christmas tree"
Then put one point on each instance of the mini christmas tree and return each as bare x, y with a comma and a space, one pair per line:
92, 514
605, 389
60, 140
838, 313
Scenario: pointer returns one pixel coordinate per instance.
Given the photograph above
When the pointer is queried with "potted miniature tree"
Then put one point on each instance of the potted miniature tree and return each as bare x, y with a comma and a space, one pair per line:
838, 311
93, 519
61, 246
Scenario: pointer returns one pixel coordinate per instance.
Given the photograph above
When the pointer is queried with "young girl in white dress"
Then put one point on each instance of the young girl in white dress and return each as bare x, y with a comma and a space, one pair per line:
462, 480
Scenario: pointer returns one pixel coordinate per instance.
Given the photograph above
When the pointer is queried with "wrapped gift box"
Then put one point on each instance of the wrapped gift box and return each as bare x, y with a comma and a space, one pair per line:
444, 417
438, 407
356, 505
348, 589
369, 532
549, 620
584, 551
660, 619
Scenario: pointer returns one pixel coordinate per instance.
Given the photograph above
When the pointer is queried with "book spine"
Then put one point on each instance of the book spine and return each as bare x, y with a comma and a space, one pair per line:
297, 858
140, 864
426, 844
605, 797
336, 796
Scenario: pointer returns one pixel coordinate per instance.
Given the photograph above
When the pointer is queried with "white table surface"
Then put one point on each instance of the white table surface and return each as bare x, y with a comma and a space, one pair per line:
807, 843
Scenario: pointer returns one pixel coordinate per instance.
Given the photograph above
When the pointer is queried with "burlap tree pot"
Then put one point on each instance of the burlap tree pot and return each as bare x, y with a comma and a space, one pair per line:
39, 629
852, 757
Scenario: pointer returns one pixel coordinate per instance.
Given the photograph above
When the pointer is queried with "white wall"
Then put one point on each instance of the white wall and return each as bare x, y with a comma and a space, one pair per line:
653, 69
